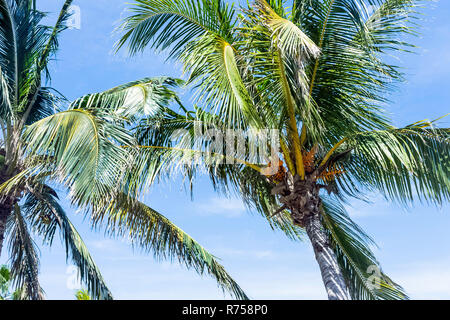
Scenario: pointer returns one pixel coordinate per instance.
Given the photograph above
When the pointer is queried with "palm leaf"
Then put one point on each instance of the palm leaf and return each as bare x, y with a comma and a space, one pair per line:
24, 258
151, 231
46, 215
174, 23
84, 151
404, 164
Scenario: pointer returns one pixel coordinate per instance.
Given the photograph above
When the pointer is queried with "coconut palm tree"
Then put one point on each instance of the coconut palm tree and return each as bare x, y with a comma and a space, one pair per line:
318, 73
78, 149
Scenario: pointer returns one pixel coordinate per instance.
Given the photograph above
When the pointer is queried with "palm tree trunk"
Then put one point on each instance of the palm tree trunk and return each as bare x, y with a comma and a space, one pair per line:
5, 211
329, 268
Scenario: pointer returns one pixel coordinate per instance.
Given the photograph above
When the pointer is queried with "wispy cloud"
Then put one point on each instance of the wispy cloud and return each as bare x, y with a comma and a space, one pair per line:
430, 280
230, 208
361, 209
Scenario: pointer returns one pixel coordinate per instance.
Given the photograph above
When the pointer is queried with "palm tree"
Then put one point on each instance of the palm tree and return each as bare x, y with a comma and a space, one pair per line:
5, 284
5, 278
82, 295
79, 149
318, 73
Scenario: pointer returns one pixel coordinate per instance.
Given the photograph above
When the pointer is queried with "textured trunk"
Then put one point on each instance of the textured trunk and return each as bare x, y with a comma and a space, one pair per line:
5, 211
329, 268
301, 198
6, 202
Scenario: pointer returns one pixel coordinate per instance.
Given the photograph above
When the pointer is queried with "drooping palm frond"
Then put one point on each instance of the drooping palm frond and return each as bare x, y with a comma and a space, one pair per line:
46, 102
405, 163
24, 257
351, 78
171, 143
173, 24
351, 245
47, 216
151, 231
133, 100
84, 151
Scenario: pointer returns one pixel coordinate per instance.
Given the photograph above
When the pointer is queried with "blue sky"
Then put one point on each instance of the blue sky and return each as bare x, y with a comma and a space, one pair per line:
414, 245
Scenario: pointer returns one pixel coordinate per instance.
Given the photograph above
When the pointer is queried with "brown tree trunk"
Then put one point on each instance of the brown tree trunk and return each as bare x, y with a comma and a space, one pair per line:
301, 198
329, 268
5, 211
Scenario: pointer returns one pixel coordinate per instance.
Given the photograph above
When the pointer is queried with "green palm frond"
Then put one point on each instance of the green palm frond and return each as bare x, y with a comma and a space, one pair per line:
351, 245
263, 69
173, 24
47, 216
151, 231
24, 257
9, 53
289, 38
82, 295
351, 78
405, 163
175, 152
6, 108
52, 44
84, 151
212, 63
5, 279
132, 100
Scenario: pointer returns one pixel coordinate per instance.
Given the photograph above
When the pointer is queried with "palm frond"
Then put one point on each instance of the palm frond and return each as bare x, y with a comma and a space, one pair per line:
175, 23
168, 145
151, 231
213, 64
133, 100
9, 50
47, 101
52, 42
83, 150
351, 78
6, 108
47, 216
24, 257
289, 38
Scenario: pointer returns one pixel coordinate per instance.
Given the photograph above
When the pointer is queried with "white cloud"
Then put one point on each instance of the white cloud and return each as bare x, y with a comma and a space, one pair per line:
230, 208
429, 280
